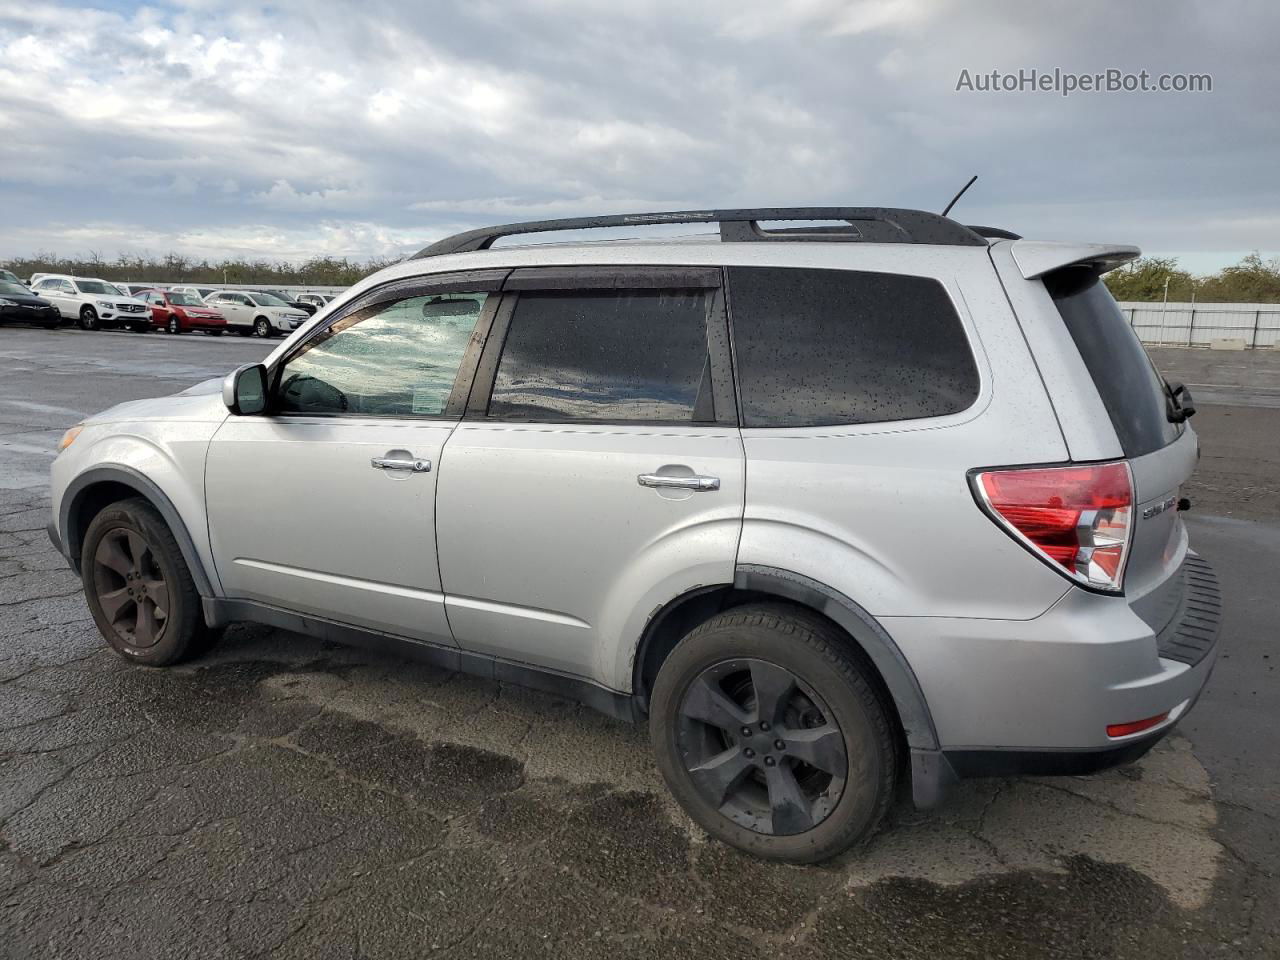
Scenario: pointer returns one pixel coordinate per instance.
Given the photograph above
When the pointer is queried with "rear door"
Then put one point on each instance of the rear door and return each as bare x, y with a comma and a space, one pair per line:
599, 470
235, 307
60, 294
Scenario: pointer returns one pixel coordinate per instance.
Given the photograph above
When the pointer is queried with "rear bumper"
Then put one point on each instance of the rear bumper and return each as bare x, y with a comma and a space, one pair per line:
1049, 763
1037, 696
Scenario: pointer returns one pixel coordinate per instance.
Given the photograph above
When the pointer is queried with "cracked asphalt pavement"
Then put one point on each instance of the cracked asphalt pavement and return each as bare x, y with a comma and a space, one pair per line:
285, 798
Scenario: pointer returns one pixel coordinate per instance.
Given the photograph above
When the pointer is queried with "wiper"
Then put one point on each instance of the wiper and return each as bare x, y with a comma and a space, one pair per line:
1179, 405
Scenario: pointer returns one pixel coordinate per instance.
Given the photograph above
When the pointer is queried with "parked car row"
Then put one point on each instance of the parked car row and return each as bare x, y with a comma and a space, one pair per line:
93, 304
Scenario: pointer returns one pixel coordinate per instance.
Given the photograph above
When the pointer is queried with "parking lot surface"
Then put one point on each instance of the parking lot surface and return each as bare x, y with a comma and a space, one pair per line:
285, 798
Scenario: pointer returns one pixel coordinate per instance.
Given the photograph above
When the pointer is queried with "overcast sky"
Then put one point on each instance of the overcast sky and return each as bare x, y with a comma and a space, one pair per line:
313, 127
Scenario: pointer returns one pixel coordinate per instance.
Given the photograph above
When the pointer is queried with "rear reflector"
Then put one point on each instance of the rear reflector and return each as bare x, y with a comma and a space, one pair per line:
1079, 519
1137, 726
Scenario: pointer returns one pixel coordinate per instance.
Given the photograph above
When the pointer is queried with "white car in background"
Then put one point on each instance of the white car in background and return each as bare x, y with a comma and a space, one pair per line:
257, 312
318, 300
203, 293
93, 303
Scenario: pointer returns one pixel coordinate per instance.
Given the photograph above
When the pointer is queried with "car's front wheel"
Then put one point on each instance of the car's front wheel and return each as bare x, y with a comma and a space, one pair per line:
174, 325
770, 734
88, 318
262, 327
139, 587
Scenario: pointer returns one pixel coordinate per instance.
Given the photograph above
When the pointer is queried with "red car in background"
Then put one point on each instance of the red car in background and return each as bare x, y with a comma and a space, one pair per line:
177, 312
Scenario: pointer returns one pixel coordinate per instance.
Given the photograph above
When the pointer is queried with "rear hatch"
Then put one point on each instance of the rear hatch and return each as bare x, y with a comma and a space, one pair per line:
1150, 427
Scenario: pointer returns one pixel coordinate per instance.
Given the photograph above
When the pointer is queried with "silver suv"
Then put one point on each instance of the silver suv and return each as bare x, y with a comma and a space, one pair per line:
836, 507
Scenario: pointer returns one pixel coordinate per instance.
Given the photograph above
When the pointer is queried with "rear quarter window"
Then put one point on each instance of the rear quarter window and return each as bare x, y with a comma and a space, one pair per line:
827, 347
1127, 381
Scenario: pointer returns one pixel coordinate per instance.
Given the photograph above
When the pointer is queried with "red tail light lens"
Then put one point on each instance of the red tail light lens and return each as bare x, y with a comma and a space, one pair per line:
1080, 519
1136, 726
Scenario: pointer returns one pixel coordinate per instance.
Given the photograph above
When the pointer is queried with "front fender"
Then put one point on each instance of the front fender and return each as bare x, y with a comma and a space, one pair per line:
164, 465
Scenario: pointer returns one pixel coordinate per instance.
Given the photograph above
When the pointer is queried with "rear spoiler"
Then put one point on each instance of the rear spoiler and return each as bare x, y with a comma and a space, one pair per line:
1035, 258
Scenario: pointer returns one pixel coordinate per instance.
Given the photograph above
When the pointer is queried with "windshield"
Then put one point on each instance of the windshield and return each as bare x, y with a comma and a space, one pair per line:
268, 300
185, 300
6, 275
97, 286
7, 287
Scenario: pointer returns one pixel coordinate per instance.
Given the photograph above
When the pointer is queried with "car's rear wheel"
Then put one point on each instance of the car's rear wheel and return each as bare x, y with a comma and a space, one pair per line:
174, 325
139, 587
262, 327
770, 734
88, 318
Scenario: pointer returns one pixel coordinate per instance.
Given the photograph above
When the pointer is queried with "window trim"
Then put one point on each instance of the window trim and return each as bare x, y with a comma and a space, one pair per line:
470, 281
600, 278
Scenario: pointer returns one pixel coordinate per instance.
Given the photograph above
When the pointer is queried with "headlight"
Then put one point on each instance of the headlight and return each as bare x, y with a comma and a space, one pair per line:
7, 303
105, 304
69, 437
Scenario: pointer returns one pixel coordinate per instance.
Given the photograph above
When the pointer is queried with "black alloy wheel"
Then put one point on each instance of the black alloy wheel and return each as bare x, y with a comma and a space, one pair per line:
762, 747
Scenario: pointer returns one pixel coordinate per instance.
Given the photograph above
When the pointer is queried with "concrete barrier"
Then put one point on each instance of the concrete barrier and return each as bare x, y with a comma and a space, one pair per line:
1228, 343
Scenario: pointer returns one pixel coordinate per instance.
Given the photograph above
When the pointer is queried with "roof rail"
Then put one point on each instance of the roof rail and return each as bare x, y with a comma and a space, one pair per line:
994, 233
867, 224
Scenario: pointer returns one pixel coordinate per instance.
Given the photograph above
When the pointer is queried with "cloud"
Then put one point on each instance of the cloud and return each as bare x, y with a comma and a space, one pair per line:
313, 127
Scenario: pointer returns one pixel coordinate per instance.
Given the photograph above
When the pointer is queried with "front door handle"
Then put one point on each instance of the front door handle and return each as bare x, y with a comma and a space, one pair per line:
700, 484
395, 463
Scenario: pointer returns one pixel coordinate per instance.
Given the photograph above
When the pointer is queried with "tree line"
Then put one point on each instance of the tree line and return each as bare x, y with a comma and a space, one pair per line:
175, 268
1252, 280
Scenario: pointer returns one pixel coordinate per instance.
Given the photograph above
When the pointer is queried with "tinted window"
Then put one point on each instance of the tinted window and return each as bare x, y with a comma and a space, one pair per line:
1131, 389
396, 359
611, 355
818, 347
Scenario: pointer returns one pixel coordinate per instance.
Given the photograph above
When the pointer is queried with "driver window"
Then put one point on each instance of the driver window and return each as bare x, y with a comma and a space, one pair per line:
396, 359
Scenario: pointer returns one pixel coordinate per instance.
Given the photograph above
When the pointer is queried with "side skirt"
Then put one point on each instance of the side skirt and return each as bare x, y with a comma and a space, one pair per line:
622, 706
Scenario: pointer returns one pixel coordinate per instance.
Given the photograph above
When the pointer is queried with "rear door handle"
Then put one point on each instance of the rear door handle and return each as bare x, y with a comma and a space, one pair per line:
394, 463
700, 484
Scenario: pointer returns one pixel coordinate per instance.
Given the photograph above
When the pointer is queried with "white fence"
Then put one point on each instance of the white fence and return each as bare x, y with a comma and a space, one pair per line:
1198, 324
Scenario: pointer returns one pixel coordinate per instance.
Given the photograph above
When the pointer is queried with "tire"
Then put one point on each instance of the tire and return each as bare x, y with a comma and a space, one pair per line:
756, 771
127, 548
88, 318
262, 328
173, 325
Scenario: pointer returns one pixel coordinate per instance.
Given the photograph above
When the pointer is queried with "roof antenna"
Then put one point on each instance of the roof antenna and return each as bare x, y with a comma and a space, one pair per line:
959, 195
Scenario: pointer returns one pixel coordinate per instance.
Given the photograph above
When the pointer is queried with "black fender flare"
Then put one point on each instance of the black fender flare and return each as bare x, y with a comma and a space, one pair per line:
146, 488
931, 774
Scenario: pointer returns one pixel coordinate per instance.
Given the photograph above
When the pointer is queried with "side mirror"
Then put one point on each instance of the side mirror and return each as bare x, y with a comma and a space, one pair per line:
244, 390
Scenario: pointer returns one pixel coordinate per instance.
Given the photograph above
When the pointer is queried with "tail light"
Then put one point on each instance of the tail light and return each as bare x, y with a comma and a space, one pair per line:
1078, 518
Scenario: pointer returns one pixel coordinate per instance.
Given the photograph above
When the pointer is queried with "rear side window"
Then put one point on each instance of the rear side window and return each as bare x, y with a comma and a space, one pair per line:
1131, 389
823, 347
608, 355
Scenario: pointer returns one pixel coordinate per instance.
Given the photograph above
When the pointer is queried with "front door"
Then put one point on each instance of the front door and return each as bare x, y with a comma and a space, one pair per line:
599, 471
326, 506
